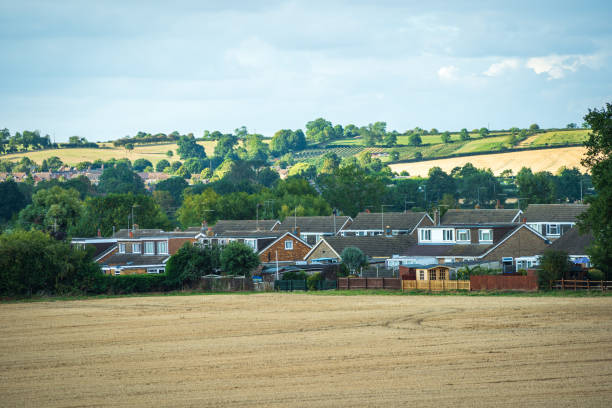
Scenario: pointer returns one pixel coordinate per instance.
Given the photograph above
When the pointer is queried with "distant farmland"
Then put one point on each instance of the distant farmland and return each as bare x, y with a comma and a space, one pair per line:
537, 160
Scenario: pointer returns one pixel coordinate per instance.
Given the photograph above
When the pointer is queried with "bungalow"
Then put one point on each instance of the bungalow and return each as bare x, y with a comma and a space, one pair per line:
553, 220
575, 244
390, 223
312, 229
377, 248
244, 225
257, 240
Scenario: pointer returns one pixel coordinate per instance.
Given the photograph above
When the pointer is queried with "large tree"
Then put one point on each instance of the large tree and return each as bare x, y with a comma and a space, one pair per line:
598, 217
238, 259
55, 209
120, 179
12, 200
188, 147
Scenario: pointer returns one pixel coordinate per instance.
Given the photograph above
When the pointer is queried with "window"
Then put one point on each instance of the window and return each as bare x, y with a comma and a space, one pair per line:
432, 275
552, 229
149, 249
485, 235
162, 247
155, 270
136, 248
122, 248
421, 275
117, 272
463, 235
251, 243
442, 274
425, 235
447, 235
288, 245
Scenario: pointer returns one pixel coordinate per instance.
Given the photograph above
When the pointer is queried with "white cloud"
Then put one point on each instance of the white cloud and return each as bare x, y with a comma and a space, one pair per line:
556, 66
448, 73
499, 67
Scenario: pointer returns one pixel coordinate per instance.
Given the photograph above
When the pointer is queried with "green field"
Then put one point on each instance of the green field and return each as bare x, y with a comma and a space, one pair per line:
560, 137
486, 144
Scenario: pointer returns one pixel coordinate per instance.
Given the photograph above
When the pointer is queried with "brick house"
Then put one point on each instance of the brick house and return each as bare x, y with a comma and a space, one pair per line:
287, 248
312, 229
141, 251
377, 248
553, 220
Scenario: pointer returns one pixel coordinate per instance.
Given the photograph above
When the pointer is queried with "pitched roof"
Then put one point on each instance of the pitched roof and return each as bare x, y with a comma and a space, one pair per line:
372, 246
153, 233
480, 216
446, 250
573, 242
243, 225
324, 224
135, 259
396, 220
554, 212
248, 234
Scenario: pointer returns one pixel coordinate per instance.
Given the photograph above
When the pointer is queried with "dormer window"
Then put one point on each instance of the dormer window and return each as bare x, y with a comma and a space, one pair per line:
463, 235
425, 234
149, 248
552, 229
122, 248
447, 235
485, 236
136, 248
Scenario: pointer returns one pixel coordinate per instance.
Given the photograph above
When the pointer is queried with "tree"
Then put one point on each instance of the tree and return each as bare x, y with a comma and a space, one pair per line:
598, 217
141, 164
390, 139
189, 264
538, 188
394, 155
553, 265
439, 183
129, 146
169, 153
351, 189
533, 127
225, 145
161, 165
120, 179
199, 207
464, 134
188, 147
256, 149
33, 262
568, 183
433, 131
54, 209
415, 139
353, 258
238, 259
446, 137
320, 131
484, 132
571, 126
12, 200
115, 210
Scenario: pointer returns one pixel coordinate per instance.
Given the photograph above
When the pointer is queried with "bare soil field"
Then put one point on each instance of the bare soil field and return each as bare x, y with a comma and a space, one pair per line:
279, 350
538, 160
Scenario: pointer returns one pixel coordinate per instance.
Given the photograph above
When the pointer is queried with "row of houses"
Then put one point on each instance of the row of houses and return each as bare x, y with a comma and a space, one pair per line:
510, 238
67, 173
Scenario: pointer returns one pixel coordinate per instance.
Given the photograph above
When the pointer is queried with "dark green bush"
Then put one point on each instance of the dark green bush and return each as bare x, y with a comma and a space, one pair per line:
595, 274
295, 275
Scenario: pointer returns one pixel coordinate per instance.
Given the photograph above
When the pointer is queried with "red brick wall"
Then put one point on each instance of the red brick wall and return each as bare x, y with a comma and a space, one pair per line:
298, 252
175, 243
500, 282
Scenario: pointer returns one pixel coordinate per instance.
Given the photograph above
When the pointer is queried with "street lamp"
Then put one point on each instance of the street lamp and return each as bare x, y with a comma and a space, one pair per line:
133, 206
423, 188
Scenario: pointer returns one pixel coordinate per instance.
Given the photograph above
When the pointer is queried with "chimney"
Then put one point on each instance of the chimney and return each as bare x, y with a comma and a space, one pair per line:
296, 232
135, 226
498, 205
131, 234
209, 232
388, 232
436, 218
99, 233
524, 220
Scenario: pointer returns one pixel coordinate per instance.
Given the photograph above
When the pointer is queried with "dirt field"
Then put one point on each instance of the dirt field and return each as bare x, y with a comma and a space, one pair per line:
303, 350
537, 160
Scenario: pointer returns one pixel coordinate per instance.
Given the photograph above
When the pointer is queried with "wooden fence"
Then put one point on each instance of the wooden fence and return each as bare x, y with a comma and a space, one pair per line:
436, 285
369, 283
503, 282
567, 284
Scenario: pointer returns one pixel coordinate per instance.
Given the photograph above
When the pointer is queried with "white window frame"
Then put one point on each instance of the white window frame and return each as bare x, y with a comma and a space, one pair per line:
117, 272
446, 232
146, 249
481, 232
425, 234
549, 229
162, 247
461, 232
288, 245
122, 248
136, 248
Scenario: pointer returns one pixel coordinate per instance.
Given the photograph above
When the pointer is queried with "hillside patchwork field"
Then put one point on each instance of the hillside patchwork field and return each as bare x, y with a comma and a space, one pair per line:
285, 350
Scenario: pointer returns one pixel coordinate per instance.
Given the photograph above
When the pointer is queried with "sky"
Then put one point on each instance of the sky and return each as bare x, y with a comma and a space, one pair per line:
107, 69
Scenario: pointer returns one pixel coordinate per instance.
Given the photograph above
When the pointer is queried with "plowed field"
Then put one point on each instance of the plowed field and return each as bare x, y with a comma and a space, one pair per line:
279, 350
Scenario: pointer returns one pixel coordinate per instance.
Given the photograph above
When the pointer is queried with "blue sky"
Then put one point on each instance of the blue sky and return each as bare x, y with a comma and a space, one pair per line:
106, 69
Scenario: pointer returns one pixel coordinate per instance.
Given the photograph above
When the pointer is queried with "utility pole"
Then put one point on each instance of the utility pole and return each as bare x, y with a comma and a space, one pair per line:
382, 218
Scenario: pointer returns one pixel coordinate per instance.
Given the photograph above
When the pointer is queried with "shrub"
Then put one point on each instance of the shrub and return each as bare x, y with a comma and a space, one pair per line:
522, 272
295, 275
595, 274
313, 279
